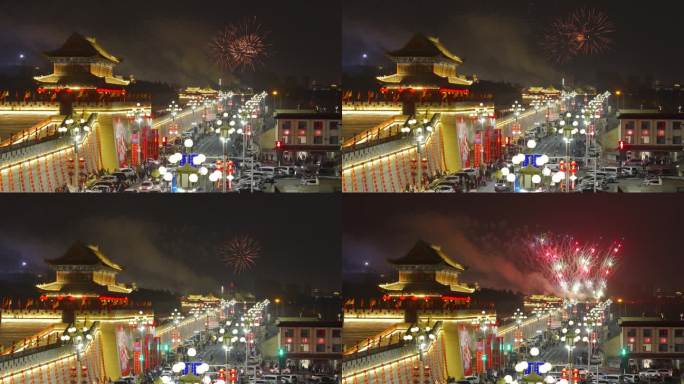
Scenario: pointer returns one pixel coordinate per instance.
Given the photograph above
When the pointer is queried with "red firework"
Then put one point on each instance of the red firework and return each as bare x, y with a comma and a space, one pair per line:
241, 253
580, 269
240, 46
586, 31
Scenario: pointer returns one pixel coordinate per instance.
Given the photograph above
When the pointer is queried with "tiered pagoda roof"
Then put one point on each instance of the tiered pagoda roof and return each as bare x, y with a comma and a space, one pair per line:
81, 46
81, 63
425, 48
426, 271
85, 271
424, 62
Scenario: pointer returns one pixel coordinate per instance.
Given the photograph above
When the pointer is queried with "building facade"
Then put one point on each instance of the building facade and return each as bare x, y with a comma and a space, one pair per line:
653, 343
313, 345
307, 134
654, 138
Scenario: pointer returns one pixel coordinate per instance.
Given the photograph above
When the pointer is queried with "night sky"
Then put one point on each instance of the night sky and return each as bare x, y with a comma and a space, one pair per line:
386, 226
168, 40
171, 242
499, 39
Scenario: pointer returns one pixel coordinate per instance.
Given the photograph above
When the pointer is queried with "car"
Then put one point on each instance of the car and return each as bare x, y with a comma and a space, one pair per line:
630, 378
665, 372
129, 172
444, 189
120, 176
502, 187
472, 379
109, 178
310, 181
470, 171
652, 181
99, 188
650, 374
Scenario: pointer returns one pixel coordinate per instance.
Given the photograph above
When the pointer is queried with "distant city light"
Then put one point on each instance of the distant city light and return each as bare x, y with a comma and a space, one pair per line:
23, 264
365, 55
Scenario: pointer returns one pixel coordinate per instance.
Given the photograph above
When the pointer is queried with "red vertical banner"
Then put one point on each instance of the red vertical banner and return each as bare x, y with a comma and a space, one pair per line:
488, 145
137, 367
477, 154
479, 364
135, 143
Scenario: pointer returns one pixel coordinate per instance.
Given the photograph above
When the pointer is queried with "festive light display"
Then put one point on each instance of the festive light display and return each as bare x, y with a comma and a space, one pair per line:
240, 46
241, 253
580, 269
586, 31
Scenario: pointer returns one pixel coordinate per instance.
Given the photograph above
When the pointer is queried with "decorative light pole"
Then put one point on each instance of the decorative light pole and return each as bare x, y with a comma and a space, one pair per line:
419, 132
76, 131
484, 322
78, 338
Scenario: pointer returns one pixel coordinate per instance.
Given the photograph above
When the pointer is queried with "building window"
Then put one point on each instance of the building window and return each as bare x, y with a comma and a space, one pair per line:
676, 139
289, 332
647, 333
631, 332
630, 125
318, 139
302, 125
645, 125
662, 347
318, 125
645, 140
662, 333
303, 347
336, 333
661, 125
630, 347
646, 348
320, 347
679, 332
334, 140
304, 333
333, 124
286, 139
320, 333
660, 140
302, 139
337, 347
679, 348
287, 125
289, 348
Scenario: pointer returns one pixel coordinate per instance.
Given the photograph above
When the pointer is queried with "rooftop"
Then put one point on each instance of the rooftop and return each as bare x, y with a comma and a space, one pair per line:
425, 47
424, 253
82, 254
78, 45
651, 116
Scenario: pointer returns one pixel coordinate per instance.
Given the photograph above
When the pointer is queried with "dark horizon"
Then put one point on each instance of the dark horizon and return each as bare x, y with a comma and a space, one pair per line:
169, 41
500, 40
174, 243
486, 234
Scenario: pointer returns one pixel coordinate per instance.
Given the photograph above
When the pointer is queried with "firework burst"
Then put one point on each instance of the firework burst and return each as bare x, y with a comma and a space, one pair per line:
586, 31
240, 46
580, 269
241, 253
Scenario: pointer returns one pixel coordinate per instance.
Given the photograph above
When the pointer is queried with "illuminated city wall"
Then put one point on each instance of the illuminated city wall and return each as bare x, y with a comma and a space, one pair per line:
45, 166
58, 364
400, 364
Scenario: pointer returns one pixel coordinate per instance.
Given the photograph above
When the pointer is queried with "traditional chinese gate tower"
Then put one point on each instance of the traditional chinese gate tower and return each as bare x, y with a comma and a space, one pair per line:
427, 277
85, 277
81, 66
425, 70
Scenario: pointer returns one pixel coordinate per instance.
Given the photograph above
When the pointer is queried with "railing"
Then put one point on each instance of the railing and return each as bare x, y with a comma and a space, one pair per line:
21, 361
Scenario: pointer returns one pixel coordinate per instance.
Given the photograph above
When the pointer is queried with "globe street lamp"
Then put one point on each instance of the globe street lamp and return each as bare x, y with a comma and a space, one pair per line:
419, 131
79, 338
76, 131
